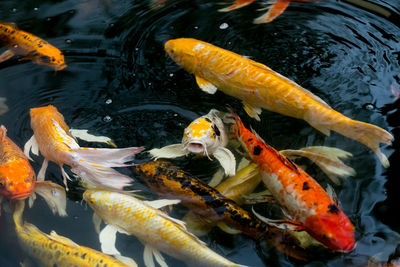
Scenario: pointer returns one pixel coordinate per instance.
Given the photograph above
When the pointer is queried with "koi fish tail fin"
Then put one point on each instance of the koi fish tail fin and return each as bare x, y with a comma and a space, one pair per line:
277, 8
235, 122
238, 4
367, 134
94, 166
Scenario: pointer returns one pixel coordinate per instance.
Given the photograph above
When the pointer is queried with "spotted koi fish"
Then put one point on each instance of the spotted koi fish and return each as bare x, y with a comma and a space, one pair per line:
260, 87
53, 138
171, 182
204, 136
277, 7
29, 46
55, 250
157, 230
311, 208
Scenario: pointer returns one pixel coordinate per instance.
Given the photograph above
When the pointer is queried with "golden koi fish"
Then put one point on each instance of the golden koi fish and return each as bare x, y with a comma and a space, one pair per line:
204, 136
53, 138
30, 46
156, 229
55, 250
259, 87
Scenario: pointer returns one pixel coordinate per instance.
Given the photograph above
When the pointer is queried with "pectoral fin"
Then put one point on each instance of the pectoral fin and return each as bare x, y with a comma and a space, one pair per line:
216, 179
96, 219
107, 238
54, 195
42, 172
252, 111
281, 224
227, 229
161, 202
33, 146
171, 151
126, 260
6, 55
227, 160
206, 86
53, 235
84, 135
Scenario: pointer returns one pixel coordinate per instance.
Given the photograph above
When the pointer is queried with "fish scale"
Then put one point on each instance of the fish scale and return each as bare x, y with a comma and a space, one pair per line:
152, 227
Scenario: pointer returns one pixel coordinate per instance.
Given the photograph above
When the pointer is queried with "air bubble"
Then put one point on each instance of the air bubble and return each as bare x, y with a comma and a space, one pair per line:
68, 41
108, 101
369, 106
107, 118
223, 26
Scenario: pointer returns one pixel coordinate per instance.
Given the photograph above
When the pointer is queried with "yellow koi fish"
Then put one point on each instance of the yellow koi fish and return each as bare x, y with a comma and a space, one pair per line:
54, 250
153, 227
30, 46
53, 138
204, 136
259, 87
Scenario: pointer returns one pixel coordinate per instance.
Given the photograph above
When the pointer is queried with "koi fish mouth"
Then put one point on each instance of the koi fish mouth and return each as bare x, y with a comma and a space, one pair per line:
21, 196
60, 67
195, 148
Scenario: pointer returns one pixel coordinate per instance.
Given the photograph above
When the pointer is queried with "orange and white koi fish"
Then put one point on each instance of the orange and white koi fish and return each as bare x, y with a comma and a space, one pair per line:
276, 8
260, 87
18, 180
303, 199
157, 230
56, 250
53, 138
204, 136
29, 46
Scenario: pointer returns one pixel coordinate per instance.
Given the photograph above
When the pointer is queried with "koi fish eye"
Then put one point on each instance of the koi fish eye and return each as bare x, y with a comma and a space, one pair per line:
1, 184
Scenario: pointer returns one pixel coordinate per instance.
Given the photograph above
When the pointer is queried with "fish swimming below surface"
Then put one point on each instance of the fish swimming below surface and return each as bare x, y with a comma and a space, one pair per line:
276, 8
259, 87
53, 138
207, 203
30, 47
204, 136
307, 205
18, 180
154, 228
55, 250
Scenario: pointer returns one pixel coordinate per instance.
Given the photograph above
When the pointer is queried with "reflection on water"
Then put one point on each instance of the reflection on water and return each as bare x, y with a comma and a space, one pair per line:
120, 83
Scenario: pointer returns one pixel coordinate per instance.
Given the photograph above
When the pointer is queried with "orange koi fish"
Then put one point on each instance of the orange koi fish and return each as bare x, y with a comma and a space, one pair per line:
29, 46
53, 138
302, 198
277, 7
204, 136
260, 87
18, 180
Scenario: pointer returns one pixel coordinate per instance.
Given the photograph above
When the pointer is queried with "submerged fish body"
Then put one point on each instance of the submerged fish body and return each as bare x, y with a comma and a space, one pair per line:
300, 195
52, 138
32, 47
153, 227
54, 250
17, 178
204, 136
259, 87
171, 182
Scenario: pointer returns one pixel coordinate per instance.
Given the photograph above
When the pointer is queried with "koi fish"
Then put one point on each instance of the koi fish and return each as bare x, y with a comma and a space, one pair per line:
18, 180
171, 182
260, 87
204, 136
56, 250
276, 8
53, 138
156, 229
30, 46
302, 198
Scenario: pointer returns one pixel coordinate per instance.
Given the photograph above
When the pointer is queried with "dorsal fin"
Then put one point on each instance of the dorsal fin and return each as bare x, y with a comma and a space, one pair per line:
259, 65
10, 24
54, 236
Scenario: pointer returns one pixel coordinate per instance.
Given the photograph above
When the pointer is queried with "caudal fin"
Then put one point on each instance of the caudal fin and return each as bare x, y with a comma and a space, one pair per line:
369, 135
94, 166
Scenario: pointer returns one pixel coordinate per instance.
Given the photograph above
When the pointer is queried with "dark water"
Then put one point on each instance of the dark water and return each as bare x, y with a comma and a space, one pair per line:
120, 83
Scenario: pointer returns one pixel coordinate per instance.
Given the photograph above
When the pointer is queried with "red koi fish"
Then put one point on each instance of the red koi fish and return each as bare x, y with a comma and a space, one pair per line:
277, 7
302, 198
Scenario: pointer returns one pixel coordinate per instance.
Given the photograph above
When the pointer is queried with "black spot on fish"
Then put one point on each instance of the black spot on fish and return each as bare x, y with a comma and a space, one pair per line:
207, 119
250, 139
83, 256
216, 130
257, 150
53, 59
306, 186
332, 208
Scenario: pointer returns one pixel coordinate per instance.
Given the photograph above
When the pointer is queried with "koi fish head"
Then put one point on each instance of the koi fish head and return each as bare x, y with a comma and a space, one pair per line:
204, 134
183, 51
43, 115
17, 179
333, 229
52, 58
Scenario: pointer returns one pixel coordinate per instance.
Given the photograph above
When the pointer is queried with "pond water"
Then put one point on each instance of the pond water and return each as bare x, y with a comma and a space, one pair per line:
120, 83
